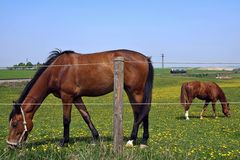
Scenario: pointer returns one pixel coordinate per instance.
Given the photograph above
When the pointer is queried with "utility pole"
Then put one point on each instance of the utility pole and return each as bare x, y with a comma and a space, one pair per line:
162, 61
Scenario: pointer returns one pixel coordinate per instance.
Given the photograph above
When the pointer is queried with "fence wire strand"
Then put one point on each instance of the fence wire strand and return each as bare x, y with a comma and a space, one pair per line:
104, 63
126, 61
111, 104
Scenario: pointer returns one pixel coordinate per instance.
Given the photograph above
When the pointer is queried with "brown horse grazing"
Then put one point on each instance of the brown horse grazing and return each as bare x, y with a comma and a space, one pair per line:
69, 76
208, 91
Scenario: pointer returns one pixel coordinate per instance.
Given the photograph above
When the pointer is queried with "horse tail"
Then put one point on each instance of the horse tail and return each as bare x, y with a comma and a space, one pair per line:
183, 96
147, 98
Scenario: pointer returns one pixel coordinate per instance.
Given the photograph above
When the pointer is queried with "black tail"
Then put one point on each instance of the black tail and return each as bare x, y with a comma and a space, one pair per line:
149, 84
147, 99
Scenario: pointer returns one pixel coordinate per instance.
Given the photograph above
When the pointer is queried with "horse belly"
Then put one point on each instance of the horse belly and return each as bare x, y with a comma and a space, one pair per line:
203, 97
95, 92
98, 88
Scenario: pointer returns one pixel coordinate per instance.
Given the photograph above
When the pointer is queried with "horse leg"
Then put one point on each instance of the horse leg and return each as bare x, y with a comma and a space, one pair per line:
67, 107
140, 115
133, 136
187, 113
186, 109
214, 109
83, 111
145, 132
204, 109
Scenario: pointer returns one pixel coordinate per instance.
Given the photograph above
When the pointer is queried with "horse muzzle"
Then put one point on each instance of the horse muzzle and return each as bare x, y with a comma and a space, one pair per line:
12, 145
227, 114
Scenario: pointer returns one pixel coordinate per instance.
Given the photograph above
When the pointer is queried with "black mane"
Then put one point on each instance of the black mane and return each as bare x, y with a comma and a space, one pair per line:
51, 58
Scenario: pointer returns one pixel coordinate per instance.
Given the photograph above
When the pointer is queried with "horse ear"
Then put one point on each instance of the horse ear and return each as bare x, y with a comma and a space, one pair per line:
16, 107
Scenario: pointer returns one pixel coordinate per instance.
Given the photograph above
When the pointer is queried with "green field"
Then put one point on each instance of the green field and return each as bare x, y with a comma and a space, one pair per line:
171, 136
13, 74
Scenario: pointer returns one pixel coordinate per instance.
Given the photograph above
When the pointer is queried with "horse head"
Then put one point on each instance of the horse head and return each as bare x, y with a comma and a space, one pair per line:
19, 127
226, 109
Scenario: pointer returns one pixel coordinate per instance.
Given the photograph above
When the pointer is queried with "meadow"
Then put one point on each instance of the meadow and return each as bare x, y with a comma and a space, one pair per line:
171, 136
15, 74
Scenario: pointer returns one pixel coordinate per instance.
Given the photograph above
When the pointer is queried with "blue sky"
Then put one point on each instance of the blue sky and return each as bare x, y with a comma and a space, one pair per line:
185, 31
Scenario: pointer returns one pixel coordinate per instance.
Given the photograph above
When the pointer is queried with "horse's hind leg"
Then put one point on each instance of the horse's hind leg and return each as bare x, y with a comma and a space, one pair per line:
204, 109
135, 128
187, 113
145, 132
140, 112
186, 109
83, 111
140, 115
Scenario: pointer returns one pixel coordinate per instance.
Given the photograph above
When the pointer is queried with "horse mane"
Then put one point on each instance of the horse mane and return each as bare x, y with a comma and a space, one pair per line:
53, 56
222, 97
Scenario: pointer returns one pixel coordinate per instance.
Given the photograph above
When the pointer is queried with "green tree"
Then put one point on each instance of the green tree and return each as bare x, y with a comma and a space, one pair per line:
29, 65
21, 65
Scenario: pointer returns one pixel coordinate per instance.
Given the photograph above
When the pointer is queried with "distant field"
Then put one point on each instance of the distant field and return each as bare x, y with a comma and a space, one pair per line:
171, 136
13, 74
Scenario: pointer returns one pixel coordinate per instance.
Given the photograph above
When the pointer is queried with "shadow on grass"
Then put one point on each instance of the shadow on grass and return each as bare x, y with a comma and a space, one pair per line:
87, 140
198, 117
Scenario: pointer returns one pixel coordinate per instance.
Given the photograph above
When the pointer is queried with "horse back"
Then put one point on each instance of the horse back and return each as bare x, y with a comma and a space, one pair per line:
204, 90
92, 74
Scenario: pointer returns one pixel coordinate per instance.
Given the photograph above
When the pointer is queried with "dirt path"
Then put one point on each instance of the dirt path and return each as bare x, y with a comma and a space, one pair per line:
2, 81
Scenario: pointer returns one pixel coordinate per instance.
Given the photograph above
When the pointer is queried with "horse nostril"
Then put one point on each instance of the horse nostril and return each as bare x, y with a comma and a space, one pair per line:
12, 146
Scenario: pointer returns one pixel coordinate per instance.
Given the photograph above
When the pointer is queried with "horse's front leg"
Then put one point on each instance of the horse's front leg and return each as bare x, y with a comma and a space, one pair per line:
204, 109
67, 107
214, 109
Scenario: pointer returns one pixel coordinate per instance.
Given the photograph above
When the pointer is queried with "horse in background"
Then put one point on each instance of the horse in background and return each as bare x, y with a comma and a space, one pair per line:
208, 91
70, 76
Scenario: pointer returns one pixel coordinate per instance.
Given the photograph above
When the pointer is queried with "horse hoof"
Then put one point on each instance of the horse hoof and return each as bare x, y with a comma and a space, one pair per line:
142, 146
93, 143
63, 144
129, 143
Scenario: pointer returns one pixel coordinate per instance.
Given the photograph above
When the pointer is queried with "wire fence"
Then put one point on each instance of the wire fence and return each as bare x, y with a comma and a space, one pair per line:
220, 64
236, 64
110, 104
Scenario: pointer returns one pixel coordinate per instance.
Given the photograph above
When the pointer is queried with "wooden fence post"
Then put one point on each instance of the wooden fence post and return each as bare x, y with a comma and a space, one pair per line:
118, 105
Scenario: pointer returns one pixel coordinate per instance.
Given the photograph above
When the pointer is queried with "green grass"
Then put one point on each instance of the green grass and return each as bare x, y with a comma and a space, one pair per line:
171, 136
12, 74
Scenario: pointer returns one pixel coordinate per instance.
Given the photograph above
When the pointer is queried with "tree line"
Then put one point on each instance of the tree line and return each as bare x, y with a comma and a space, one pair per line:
28, 65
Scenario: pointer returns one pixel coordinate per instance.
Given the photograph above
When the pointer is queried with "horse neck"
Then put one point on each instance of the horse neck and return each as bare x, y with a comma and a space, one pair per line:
222, 98
35, 97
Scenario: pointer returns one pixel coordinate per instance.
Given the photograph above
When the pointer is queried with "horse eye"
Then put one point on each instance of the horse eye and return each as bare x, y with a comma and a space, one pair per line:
14, 124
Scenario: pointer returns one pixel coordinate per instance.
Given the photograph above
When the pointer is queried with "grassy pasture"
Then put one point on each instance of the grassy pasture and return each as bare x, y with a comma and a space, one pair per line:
13, 74
171, 137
